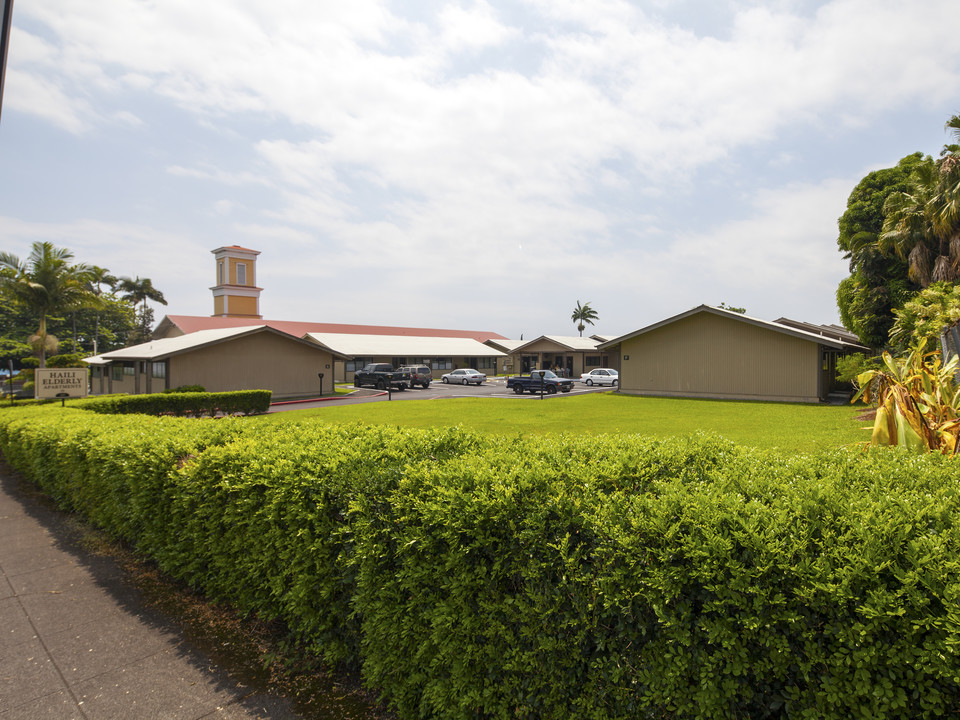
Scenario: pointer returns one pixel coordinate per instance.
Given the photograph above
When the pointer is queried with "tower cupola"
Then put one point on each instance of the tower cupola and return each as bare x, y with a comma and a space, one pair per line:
236, 293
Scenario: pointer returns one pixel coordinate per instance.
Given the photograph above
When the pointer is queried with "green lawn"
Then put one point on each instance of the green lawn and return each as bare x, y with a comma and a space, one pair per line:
797, 428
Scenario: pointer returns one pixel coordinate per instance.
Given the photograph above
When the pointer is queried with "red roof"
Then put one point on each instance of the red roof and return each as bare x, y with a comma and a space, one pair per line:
236, 247
193, 323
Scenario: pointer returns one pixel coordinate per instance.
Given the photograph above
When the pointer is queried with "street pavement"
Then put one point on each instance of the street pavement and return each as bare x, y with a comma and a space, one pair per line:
77, 642
494, 387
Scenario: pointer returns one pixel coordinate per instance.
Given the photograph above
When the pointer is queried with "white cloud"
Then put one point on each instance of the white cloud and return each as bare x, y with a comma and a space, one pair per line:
472, 27
555, 126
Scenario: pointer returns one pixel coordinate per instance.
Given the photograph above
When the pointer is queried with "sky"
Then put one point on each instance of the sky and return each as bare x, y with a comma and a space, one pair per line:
474, 165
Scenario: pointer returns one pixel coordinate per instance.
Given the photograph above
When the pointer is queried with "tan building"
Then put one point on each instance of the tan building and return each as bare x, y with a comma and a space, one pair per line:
440, 354
573, 355
245, 358
709, 352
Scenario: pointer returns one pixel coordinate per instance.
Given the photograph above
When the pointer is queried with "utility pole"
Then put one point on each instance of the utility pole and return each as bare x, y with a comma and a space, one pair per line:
5, 43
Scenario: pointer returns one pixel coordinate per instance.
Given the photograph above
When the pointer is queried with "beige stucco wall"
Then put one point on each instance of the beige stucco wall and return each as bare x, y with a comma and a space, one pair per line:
706, 355
260, 361
239, 305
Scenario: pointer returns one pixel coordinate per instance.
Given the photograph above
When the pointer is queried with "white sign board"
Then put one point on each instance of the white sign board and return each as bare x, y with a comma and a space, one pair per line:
60, 382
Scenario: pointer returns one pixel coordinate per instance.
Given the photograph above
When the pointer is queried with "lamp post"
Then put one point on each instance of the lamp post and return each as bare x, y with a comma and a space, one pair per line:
4, 43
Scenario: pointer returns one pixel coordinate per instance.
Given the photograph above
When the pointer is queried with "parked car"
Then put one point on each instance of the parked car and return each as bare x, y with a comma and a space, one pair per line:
601, 376
539, 381
464, 376
381, 376
419, 375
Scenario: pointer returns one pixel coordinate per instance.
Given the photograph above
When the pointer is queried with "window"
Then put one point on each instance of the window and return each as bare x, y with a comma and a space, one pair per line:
442, 363
593, 360
160, 369
356, 364
399, 362
220, 273
116, 372
485, 363
128, 368
241, 273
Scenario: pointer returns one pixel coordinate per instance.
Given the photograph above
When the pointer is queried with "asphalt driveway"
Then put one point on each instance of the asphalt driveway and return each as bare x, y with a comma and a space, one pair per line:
494, 387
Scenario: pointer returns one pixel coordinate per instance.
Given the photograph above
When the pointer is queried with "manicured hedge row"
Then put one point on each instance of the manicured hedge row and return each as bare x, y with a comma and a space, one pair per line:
609, 577
245, 402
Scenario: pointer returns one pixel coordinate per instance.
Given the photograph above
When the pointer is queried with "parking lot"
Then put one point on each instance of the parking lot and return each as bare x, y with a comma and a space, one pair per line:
494, 387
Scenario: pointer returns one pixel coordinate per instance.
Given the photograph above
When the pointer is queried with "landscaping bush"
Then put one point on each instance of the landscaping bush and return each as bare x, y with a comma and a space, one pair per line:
243, 402
186, 388
610, 577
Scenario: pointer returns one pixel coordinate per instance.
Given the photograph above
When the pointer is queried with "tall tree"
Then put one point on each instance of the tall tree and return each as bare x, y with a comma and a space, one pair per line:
46, 284
138, 290
922, 224
583, 315
100, 276
878, 283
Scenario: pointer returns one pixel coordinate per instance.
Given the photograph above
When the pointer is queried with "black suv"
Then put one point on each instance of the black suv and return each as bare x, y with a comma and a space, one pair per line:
419, 375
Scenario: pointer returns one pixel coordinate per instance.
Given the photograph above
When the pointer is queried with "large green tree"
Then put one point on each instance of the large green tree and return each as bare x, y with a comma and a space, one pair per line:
583, 315
47, 284
878, 283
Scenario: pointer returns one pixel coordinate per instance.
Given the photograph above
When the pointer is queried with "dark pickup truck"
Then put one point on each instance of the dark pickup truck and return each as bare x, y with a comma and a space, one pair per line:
382, 376
538, 380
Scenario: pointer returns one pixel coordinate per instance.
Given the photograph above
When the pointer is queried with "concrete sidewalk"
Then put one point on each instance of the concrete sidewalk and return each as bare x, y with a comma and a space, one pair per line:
78, 643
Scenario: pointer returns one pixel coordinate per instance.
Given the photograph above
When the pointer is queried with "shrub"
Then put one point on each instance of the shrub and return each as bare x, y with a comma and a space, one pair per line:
245, 402
609, 577
186, 388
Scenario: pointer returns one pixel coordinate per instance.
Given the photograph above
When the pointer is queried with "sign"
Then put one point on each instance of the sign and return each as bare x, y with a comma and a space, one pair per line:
60, 382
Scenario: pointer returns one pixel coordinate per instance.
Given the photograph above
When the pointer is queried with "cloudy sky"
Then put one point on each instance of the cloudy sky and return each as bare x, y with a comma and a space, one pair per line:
477, 164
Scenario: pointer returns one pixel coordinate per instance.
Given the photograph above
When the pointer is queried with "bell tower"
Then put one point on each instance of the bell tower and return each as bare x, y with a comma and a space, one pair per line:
236, 293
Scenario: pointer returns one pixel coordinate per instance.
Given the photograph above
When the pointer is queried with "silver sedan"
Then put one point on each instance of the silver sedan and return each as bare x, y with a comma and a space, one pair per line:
601, 376
464, 376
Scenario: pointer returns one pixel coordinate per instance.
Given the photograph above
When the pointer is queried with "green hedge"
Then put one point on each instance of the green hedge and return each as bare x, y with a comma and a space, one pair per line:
610, 577
244, 402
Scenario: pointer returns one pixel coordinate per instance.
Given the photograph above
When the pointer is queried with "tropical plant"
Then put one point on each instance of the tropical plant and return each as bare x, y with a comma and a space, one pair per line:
927, 315
100, 276
45, 285
583, 315
138, 290
922, 224
917, 398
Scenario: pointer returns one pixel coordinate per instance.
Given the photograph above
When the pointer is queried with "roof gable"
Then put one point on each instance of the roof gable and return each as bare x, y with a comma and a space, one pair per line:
722, 312
570, 344
169, 347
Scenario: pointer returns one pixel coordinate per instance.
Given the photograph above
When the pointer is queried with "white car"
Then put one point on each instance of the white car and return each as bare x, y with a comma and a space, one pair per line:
601, 376
464, 376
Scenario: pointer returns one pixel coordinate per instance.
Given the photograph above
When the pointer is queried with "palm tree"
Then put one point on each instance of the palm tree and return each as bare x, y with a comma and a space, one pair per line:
139, 290
100, 276
583, 315
922, 226
45, 285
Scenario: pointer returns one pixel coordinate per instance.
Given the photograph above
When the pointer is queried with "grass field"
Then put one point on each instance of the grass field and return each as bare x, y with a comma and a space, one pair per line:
792, 427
